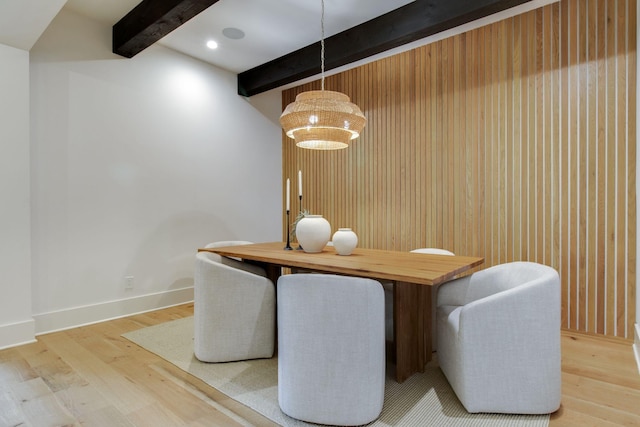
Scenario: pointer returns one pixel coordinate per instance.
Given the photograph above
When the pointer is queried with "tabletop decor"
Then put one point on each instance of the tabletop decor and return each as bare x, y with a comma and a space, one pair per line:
301, 213
294, 225
344, 241
313, 232
291, 228
288, 246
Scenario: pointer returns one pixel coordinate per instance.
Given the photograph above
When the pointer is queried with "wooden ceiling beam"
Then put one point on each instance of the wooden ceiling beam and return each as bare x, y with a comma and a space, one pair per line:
151, 20
414, 21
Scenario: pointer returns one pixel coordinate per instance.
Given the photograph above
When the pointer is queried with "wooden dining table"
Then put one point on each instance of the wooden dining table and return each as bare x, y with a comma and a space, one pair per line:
413, 275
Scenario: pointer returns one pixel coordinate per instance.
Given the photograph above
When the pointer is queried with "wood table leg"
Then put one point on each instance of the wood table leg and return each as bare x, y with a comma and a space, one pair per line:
273, 272
412, 328
426, 324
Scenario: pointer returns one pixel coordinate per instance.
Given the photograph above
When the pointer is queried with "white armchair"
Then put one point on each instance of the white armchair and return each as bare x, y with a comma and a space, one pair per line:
234, 309
499, 338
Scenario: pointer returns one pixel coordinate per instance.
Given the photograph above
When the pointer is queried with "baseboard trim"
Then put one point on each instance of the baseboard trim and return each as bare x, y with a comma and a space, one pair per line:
15, 334
95, 313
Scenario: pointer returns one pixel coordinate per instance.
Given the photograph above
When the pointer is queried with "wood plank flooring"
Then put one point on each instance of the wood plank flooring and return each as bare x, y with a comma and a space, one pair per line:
91, 376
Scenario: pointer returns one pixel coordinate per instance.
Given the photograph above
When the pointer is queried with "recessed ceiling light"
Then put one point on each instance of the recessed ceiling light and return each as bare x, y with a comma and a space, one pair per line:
211, 44
233, 33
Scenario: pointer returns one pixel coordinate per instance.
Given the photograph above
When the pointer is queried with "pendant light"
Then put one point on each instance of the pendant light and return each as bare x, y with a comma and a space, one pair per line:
322, 119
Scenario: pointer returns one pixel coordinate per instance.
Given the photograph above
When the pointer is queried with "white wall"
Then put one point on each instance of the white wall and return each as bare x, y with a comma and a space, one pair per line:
135, 164
16, 323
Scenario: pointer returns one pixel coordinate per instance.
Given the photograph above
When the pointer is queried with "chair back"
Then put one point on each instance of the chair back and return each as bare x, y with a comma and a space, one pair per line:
433, 251
507, 276
223, 243
331, 348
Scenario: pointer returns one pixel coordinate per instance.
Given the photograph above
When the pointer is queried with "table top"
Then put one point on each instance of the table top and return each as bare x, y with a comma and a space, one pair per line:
425, 269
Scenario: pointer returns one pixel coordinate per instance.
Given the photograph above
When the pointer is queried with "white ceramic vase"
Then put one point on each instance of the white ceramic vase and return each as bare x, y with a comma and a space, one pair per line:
313, 232
344, 241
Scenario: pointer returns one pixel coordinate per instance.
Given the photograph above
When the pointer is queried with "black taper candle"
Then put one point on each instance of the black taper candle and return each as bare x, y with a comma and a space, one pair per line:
288, 247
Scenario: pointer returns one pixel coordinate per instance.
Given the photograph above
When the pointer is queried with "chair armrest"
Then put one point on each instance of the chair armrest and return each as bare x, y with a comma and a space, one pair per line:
227, 273
454, 292
233, 262
244, 266
469, 288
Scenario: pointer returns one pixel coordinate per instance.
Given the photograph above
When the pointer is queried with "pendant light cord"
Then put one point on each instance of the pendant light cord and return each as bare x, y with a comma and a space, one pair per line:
322, 46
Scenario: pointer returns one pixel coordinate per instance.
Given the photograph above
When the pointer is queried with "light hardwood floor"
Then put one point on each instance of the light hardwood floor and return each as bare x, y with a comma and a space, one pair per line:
92, 376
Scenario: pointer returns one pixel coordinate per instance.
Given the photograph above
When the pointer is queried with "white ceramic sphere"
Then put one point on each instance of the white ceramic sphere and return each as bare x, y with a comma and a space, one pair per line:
345, 241
313, 232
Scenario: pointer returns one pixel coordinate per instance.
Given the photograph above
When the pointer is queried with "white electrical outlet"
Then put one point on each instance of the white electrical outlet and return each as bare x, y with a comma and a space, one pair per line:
128, 283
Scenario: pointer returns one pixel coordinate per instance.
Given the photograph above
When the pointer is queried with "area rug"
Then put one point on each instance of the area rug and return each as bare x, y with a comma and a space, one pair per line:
425, 399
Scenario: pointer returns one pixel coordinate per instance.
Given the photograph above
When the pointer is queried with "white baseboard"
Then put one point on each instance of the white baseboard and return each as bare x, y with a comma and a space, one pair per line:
636, 345
95, 313
18, 333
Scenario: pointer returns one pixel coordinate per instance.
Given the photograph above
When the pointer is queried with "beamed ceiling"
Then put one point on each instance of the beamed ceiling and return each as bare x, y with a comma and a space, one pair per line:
153, 19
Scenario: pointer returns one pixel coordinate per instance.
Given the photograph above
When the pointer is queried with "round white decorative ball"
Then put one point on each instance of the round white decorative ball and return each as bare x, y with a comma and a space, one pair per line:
345, 241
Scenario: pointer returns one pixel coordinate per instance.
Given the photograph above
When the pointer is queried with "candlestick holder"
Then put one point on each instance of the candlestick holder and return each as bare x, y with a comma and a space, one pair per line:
288, 247
299, 248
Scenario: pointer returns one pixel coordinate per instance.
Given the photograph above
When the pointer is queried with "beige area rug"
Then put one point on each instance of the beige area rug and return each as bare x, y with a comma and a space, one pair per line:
422, 400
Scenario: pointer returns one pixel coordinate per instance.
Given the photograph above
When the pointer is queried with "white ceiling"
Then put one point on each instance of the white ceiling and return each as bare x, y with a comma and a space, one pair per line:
272, 28
22, 22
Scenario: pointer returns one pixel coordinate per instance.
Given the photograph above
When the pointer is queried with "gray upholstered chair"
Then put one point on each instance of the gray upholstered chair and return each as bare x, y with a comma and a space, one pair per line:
234, 309
331, 349
499, 338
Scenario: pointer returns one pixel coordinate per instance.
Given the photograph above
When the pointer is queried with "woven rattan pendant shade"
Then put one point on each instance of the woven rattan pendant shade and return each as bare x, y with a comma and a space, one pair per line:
322, 120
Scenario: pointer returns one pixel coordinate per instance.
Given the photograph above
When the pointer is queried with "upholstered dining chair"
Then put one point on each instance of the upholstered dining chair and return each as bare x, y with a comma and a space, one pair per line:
234, 308
499, 338
331, 349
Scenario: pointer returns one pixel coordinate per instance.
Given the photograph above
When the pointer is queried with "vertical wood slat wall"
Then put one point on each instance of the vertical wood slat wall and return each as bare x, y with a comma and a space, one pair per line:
514, 141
